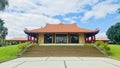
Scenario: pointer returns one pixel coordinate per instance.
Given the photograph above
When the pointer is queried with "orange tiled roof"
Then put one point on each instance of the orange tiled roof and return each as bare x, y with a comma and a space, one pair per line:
61, 28
102, 39
18, 39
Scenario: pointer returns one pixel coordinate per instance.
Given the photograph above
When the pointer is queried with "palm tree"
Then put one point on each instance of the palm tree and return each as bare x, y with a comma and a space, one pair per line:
3, 4
3, 32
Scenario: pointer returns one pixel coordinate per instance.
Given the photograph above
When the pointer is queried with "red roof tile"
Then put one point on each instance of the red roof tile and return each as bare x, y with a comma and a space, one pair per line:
61, 28
102, 39
18, 39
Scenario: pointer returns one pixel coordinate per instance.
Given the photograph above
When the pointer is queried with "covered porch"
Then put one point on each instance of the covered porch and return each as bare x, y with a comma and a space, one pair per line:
64, 38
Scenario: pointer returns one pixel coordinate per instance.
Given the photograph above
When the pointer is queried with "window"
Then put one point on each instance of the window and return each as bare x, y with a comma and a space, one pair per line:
47, 38
74, 38
61, 38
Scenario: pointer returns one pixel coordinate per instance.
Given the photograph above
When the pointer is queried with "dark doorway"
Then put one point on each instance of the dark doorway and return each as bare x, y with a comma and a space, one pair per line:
61, 38
47, 38
74, 38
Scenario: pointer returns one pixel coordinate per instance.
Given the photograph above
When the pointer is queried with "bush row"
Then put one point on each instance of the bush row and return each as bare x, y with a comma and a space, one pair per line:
88, 44
34, 44
27, 44
23, 45
102, 45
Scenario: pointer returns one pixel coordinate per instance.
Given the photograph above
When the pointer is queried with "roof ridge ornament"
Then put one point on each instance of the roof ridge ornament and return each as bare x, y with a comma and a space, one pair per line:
61, 23
47, 23
25, 29
41, 27
97, 28
74, 24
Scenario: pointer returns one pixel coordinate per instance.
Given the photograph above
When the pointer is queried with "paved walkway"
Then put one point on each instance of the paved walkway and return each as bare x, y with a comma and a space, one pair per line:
61, 62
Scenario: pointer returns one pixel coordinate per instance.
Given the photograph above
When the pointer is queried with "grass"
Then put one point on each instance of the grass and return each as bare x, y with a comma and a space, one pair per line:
88, 44
114, 51
8, 52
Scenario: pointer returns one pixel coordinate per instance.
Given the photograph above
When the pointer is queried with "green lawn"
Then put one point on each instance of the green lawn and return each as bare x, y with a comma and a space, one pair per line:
114, 51
8, 52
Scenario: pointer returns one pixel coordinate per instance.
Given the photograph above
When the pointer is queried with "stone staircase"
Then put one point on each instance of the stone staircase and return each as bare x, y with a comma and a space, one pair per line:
62, 51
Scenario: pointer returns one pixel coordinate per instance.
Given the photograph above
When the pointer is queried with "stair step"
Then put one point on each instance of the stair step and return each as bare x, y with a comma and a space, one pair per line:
38, 51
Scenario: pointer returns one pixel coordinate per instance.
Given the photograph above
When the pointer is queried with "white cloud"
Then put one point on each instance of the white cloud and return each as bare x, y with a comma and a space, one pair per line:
69, 20
16, 23
51, 7
35, 13
101, 10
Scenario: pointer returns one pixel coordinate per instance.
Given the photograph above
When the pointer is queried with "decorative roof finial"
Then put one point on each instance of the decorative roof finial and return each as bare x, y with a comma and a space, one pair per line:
61, 23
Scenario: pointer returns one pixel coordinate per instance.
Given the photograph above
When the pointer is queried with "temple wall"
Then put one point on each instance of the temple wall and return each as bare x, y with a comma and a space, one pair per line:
81, 39
67, 38
41, 39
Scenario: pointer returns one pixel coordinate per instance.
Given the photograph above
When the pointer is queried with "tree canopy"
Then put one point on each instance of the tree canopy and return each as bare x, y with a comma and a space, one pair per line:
119, 10
3, 4
3, 30
113, 33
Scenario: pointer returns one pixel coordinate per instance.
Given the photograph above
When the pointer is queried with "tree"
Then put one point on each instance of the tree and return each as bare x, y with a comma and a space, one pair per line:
3, 4
119, 10
3, 31
113, 33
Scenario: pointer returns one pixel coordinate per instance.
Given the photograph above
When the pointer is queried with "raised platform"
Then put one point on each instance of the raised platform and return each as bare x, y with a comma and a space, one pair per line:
62, 51
61, 44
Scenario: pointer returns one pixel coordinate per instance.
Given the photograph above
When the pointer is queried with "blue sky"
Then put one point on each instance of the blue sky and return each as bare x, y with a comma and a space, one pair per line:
90, 14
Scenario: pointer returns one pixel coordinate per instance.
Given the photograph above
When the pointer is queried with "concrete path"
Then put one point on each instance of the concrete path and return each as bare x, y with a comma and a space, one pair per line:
61, 62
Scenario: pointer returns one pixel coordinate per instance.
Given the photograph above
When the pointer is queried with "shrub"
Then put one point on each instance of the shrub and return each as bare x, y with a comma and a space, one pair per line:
23, 45
102, 45
98, 43
34, 44
88, 45
106, 46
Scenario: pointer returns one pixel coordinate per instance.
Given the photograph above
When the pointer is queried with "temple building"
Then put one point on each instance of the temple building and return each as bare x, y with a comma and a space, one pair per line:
16, 40
105, 40
61, 33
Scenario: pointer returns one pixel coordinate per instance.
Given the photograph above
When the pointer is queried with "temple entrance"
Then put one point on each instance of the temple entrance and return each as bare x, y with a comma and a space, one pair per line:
47, 38
61, 38
74, 38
